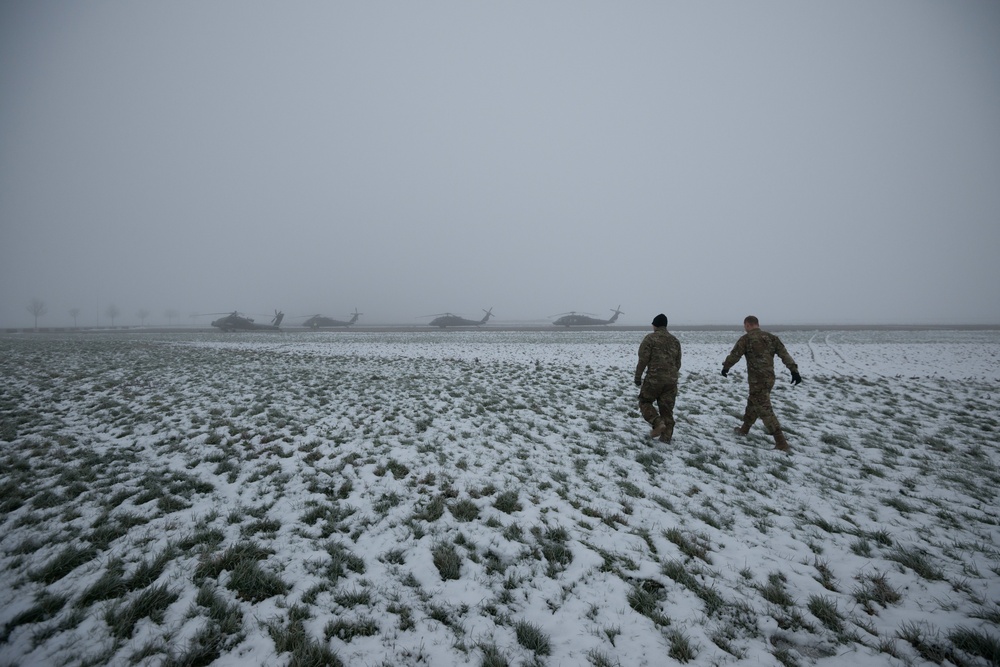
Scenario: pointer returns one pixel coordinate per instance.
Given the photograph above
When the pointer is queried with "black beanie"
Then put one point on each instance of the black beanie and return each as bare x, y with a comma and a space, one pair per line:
660, 320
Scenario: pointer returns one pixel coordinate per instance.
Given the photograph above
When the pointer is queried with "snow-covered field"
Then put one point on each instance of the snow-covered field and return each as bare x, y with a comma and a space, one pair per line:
491, 498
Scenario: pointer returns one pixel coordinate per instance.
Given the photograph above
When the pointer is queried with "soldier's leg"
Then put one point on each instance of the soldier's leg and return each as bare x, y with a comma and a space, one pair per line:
647, 396
760, 397
665, 401
749, 415
770, 420
780, 443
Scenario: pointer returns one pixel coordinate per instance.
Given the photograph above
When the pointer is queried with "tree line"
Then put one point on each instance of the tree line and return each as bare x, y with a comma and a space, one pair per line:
37, 308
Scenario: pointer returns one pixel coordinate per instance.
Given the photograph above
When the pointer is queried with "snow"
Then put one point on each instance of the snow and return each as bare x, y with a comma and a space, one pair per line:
352, 439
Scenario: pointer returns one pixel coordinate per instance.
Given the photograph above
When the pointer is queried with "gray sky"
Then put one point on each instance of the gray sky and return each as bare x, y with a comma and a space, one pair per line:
820, 162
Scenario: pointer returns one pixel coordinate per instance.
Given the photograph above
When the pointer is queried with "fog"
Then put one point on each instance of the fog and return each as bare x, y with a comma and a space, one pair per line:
804, 162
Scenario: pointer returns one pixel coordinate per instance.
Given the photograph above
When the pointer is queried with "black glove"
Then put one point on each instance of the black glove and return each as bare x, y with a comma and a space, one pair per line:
725, 372
638, 382
796, 378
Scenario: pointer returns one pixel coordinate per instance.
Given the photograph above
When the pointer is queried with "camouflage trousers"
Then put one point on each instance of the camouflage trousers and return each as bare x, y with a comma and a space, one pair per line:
759, 406
656, 402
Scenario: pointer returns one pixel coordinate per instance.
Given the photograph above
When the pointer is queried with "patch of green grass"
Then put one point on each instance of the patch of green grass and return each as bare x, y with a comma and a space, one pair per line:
644, 598
46, 606
386, 502
228, 616
293, 638
825, 609
899, 505
875, 588
169, 503
353, 598
112, 584
151, 603
714, 602
631, 490
976, 642
786, 657
927, 642
681, 648
266, 526
737, 621
230, 559
600, 659
508, 502
775, 592
431, 511
531, 637
835, 440
918, 561
63, 563
492, 656
342, 561
691, 545
861, 547
398, 470
394, 557
347, 629
826, 577
203, 538
447, 560
254, 584
331, 518
464, 510
222, 633
150, 570
554, 546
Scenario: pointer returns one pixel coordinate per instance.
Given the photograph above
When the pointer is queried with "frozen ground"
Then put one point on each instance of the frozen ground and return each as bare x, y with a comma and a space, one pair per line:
487, 498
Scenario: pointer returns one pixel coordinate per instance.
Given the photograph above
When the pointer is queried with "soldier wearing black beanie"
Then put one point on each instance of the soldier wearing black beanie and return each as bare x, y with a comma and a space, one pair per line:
660, 358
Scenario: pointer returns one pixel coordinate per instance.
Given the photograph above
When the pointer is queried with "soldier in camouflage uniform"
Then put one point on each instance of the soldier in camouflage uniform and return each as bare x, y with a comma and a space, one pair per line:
759, 348
660, 357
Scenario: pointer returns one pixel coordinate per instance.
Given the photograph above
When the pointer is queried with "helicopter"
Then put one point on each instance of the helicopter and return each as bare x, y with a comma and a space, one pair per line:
317, 321
573, 319
235, 322
448, 320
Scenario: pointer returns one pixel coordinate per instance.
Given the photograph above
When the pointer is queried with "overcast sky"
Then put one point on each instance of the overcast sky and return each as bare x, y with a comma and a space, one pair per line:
807, 162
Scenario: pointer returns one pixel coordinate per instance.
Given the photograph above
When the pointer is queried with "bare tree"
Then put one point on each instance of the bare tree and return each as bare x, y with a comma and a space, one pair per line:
112, 312
37, 308
143, 314
74, 312
171, 315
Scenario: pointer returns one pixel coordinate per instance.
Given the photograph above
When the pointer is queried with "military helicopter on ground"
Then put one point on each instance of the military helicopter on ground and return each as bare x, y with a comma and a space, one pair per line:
448, 320
574, 319
317, 321
235, 322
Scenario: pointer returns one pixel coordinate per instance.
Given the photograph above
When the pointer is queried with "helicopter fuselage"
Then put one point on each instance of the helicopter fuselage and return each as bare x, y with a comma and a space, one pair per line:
236, 322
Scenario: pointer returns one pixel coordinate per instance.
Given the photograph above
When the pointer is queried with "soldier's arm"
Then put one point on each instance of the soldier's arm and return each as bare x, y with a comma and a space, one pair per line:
785, 357
644, 352
738, 351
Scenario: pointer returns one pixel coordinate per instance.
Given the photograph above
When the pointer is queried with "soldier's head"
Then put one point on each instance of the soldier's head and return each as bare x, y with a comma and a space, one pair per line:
750, 322
660, 321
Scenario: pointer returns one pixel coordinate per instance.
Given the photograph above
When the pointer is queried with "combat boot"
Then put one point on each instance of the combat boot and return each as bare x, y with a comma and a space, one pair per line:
742, 430
667, 435
658, 428
780, 443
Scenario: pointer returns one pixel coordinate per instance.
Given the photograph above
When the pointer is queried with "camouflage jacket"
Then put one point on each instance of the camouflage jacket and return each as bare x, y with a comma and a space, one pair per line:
759, 347
660, 353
